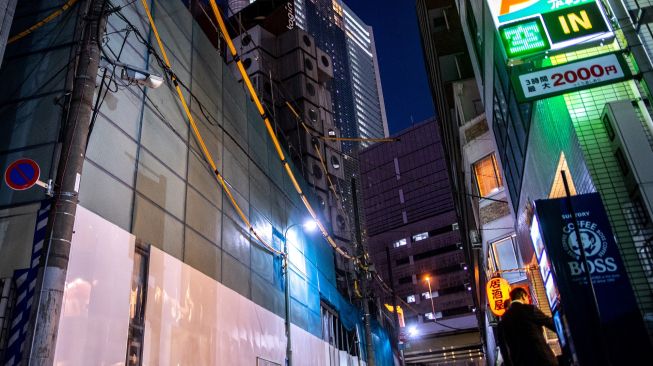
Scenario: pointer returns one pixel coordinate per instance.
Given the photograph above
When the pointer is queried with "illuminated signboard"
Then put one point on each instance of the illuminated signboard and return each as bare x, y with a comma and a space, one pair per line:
524, 37
498, 293
570, 77
530, 27
508, 11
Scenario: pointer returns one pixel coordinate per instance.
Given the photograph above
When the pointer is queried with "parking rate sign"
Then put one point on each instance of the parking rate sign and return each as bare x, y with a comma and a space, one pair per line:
570, 77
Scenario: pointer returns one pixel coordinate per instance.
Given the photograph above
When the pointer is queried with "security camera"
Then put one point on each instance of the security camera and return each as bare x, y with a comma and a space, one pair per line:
140, 77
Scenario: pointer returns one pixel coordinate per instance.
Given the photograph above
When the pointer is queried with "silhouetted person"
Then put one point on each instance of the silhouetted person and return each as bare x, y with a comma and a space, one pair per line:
521, 338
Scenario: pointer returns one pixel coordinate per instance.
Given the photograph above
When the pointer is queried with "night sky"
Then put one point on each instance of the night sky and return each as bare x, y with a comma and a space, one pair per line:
401, 61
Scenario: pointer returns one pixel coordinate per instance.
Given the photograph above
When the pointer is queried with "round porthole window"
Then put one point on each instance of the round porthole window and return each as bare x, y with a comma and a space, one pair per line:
308, 64
335, 162
340, 221
312, 115
317, 172
247, 39
325, 61
307, 41
310, 88
247, 63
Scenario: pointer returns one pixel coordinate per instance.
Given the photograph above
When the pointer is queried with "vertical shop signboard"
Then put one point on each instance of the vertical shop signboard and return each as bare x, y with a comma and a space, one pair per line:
623, 332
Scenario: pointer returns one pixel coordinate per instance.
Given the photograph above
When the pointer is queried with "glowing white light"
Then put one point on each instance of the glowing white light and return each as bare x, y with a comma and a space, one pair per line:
310, 225
412, 331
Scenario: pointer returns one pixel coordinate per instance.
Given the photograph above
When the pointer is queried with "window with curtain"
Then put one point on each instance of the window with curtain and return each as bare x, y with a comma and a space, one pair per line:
486, 172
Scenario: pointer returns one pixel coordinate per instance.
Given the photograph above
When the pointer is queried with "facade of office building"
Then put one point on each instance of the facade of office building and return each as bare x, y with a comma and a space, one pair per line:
163, 268
411, 222
599, 136
359, 109
358, 102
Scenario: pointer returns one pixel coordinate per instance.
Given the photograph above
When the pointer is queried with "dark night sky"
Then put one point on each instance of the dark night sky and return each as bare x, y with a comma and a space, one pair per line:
401, 61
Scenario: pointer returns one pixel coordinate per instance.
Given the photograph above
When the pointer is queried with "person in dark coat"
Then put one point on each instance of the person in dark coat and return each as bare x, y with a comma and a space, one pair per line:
520, 333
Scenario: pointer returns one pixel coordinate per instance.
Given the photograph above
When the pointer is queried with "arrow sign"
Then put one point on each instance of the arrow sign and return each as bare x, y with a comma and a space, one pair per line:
22, 174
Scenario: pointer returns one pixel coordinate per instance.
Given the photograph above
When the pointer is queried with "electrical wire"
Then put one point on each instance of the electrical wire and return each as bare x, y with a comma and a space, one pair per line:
387, 289
199, 139
303, 164
169, 74
272, 133
41, 23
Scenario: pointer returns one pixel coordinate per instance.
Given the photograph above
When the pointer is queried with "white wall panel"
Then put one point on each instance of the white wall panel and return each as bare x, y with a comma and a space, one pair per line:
95, 316
193, 320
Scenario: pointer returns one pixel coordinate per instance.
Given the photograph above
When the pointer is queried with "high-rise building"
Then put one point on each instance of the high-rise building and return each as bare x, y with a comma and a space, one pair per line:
415, 244
359, 110
531, 149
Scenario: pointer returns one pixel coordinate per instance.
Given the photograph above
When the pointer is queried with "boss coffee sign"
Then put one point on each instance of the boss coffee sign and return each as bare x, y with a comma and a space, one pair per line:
581, 74
529, 27
621, 322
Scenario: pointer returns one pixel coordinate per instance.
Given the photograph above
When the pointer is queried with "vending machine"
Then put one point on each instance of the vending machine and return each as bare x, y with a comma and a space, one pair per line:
587, 287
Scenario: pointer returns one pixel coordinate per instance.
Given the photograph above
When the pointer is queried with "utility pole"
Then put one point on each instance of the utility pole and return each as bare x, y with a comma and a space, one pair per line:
363, 273
44, 325
394, 298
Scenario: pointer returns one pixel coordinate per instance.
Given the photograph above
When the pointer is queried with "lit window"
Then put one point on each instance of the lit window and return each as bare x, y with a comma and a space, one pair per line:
505, 259
420, 236
429, 316
399, 243
426, 295
410, 299
488, 179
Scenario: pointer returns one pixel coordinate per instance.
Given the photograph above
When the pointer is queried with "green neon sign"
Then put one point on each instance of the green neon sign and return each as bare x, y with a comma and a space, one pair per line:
524, 37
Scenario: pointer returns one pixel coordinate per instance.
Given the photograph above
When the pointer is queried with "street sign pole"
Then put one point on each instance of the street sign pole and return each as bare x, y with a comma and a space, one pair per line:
44, 321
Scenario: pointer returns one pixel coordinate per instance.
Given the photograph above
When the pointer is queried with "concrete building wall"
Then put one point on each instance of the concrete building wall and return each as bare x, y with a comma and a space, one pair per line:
7, 8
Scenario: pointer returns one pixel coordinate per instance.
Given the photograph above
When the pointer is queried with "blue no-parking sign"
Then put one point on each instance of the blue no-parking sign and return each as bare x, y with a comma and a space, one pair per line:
22, 174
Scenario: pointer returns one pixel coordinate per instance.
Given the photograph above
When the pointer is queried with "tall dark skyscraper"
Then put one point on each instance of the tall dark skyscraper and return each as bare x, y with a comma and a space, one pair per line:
411, 221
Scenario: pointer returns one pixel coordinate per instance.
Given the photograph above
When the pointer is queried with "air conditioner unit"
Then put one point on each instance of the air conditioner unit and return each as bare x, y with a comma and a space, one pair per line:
632, 150
475, 239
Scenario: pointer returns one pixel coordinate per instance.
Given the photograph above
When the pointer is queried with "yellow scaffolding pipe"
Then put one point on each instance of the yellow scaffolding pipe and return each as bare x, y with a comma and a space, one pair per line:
200, 140
271, 133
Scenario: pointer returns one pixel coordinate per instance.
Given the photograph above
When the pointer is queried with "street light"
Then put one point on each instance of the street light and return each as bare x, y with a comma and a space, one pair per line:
412, 331
428, 280
309, 226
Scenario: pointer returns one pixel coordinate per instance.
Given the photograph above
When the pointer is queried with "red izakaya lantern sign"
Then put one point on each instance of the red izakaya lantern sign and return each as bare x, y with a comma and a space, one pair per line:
498, 294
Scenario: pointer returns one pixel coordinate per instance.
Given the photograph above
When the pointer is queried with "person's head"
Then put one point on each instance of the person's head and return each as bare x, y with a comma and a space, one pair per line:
519, 293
